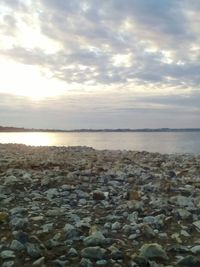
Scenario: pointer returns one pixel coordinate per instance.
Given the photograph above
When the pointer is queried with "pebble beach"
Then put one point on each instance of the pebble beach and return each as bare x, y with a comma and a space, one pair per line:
76, 206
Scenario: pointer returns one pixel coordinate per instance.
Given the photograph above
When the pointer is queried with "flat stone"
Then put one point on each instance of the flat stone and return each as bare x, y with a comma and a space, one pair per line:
7, 254
197, 225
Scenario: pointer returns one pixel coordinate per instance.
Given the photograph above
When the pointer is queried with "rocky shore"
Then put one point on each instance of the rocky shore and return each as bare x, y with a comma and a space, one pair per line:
78, 206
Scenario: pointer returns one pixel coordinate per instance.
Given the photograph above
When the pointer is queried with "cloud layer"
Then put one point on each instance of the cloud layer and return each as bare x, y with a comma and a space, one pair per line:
147, 51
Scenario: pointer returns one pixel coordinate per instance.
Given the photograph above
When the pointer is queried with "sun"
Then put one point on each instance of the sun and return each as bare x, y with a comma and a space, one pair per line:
29, 81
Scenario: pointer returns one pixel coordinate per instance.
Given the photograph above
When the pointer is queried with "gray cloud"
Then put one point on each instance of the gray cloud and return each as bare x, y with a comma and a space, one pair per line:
160, 38
92, 111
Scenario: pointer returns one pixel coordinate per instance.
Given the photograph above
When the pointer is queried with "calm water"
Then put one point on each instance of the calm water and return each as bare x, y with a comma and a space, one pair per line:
183, 142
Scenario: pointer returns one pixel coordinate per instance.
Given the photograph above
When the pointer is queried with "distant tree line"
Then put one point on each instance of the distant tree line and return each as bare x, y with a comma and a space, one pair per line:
21, 129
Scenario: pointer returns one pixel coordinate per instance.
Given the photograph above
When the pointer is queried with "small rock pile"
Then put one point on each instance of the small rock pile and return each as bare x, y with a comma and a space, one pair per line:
76, 206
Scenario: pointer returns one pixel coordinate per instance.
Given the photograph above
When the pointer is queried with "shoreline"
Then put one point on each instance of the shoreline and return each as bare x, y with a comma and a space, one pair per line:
77, 206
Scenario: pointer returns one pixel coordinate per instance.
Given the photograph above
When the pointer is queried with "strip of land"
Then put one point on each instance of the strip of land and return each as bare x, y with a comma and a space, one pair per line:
21, 129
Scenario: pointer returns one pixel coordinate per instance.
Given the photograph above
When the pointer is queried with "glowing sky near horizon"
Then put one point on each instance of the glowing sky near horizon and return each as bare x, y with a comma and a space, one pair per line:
100, 64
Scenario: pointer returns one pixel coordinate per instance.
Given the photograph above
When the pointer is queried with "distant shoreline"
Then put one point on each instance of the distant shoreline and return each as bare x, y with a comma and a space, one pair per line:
18, 129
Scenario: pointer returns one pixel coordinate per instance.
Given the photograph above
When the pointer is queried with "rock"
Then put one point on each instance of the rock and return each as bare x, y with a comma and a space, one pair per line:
18, 223
116, 226
60, 263
39, 262
72, 252
70, 231
10, 180
197, 225
133, 195
3, 216
116, 254
33, 250
95, 253
184, 214
182, 201
18, 211
101, 263
16, 245
21, 236
51, 193
189, 261
154, 220
147, 231
8, 264
133, 217
86, 263
96, 239
98, 195
153, 251
196, 249
7, 254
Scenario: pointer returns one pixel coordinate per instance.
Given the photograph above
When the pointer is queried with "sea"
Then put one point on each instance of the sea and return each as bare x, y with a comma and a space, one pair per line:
162, 142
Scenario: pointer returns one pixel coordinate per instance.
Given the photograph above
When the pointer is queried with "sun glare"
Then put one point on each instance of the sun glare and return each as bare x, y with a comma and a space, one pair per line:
24, 80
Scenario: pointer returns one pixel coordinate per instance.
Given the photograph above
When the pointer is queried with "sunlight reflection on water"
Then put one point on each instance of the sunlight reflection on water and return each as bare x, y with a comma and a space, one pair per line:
163, 142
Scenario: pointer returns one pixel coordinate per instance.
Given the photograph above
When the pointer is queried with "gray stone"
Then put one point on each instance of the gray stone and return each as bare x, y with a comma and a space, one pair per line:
16, 245
95, 253
85, 263
197, 225
116, 226
184, 214
153, 251
96, 239
72, 252
189, 261
133, 217
18, 211
33, 250
39, 262
70, 231
7, 254
196, 249
8, 264
101, 263
18, 223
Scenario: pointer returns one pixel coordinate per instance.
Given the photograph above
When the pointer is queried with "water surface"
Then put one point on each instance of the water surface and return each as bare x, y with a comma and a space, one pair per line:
163, 142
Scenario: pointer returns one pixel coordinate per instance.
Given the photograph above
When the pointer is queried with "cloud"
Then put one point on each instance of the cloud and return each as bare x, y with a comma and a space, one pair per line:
120, 45
156, 35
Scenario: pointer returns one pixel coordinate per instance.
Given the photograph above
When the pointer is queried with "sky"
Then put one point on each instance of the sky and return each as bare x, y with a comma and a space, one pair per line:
71, 64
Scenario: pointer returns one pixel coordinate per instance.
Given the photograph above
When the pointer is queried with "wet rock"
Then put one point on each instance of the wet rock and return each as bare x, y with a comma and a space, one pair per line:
95, 253
153, 251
